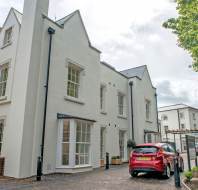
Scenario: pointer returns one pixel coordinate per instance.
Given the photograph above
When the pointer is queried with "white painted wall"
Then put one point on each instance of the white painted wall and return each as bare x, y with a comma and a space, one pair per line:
24, 116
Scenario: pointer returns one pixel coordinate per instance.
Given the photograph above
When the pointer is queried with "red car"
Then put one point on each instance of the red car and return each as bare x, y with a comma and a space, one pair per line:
157, 157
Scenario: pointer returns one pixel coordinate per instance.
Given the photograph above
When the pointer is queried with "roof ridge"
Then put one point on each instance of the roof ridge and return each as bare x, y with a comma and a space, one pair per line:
134, 67
17, 11
69, 15
175, 105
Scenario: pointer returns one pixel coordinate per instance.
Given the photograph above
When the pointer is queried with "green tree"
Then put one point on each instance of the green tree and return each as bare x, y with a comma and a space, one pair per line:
185, 26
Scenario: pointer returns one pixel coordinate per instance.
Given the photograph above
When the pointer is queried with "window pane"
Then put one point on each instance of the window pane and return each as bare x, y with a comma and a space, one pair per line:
65, 153
66, 131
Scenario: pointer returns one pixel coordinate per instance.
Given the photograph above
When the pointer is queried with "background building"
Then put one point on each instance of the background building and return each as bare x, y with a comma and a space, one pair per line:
179, 117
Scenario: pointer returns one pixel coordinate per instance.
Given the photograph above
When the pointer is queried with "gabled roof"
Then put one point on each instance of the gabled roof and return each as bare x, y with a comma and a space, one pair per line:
63, 20
18, 15
135, 72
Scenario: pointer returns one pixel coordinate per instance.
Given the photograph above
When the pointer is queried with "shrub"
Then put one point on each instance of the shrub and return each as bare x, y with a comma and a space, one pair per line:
131, 143
115, 157
188, 175
195, 169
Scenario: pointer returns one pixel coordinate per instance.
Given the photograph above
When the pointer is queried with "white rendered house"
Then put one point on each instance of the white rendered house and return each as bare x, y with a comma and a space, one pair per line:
91, 107
179, 117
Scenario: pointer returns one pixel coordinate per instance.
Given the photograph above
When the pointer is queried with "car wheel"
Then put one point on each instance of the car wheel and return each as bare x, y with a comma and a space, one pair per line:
181, 168
134, 174
167, 172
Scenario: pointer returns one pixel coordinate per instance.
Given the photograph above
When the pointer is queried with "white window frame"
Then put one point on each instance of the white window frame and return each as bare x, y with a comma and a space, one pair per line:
73, 80
82, 143
148, 109
65, 142
72, 144
103, 98
7, 40
2, 124
3, 79
121, 103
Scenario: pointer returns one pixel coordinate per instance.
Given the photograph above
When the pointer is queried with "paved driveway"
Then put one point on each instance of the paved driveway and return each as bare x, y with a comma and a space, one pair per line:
117, 178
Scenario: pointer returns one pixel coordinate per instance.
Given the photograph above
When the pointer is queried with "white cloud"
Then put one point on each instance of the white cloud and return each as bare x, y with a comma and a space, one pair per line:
130, 33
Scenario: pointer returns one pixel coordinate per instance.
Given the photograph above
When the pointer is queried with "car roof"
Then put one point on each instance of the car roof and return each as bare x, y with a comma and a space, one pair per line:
152, 144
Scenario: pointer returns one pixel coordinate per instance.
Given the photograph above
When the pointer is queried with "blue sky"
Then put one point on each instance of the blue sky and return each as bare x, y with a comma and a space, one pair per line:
130, 33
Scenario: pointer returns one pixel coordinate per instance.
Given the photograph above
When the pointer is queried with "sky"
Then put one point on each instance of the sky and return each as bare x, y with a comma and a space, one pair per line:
129, 33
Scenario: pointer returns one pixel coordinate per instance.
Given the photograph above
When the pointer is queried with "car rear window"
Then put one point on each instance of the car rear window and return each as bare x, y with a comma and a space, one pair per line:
145, 149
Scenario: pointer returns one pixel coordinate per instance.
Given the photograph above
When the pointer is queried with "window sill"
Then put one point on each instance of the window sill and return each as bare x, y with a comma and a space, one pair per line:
122, 117
148, 121
74, 100
6, 45
103, 112
75, 167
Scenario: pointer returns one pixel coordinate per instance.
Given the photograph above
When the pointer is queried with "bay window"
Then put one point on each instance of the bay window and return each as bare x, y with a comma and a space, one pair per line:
1, 133
82, 143
74, 142
65, 143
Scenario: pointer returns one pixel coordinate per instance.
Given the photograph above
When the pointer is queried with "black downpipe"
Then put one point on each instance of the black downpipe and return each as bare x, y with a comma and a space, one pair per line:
158, 127
132, 127
51, 31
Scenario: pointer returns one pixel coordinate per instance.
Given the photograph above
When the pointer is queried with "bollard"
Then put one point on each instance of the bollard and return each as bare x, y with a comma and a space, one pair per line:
177, 173
39, 173
107, 161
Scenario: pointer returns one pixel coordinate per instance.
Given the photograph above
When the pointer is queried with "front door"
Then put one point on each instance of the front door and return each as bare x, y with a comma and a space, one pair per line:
102, 146
121, 144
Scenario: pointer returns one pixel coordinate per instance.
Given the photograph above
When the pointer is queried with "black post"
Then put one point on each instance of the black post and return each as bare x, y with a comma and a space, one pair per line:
179, 126
132, 127
51, 31
177, 173
107, 161
188, 153
175, 143
196, 164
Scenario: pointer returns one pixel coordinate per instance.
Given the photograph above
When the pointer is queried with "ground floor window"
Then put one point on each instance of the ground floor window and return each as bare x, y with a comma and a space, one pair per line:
102, 143
121, 144
65, 143
74, 141
82, 143
1, 133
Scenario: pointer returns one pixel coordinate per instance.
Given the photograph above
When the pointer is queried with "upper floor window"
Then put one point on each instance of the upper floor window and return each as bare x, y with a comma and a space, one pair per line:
3, 79
165, 128
73, 81
194, 116
148, 110
120, 104
195, 126
165, 117
182, 126
8, 36
102, 97
181, 115
1, 133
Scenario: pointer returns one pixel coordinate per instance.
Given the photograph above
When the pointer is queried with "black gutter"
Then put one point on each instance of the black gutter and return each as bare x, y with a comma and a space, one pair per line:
51, 31
132, 127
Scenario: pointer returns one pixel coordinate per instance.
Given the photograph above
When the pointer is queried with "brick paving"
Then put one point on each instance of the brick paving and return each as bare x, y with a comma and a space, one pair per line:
117, 178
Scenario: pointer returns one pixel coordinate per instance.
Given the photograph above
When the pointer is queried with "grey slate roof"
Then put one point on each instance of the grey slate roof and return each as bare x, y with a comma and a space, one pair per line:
134, 72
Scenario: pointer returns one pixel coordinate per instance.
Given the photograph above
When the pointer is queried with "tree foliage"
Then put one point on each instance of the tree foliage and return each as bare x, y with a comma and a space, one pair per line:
186, 27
